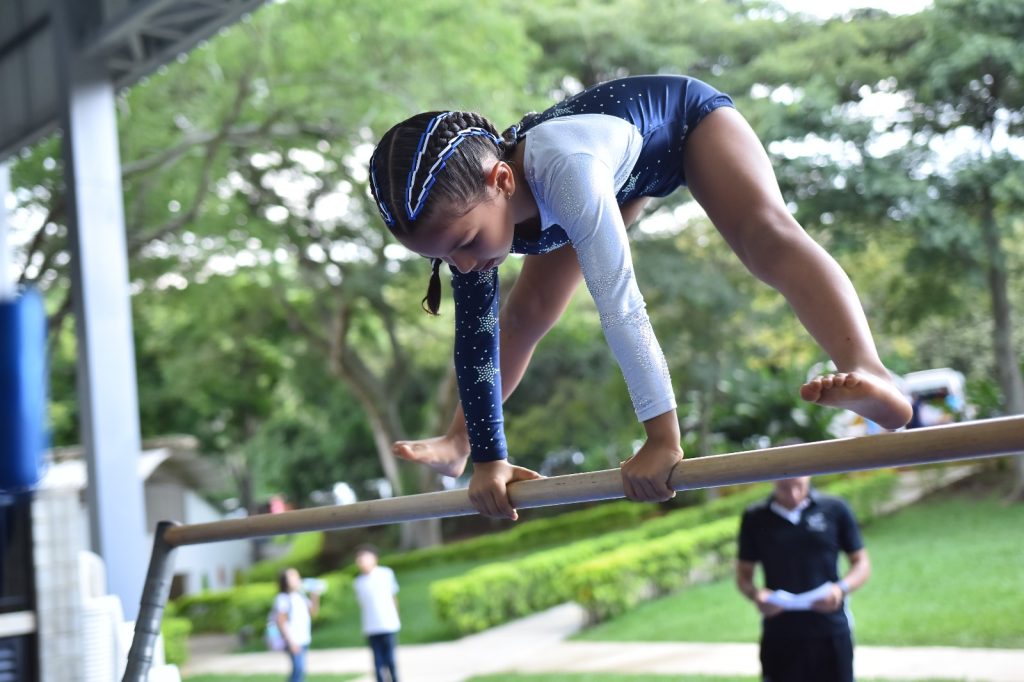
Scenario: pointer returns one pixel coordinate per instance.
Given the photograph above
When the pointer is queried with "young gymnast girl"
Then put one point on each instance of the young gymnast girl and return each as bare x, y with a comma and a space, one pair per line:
562, 186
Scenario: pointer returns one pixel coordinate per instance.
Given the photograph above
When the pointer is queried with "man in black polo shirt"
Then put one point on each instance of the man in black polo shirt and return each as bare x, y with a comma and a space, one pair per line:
796, 535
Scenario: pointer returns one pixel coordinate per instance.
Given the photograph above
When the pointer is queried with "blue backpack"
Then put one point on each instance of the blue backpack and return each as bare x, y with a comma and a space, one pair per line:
273, 637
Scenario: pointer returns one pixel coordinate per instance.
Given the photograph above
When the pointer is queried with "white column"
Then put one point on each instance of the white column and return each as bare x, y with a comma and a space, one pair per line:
107, 391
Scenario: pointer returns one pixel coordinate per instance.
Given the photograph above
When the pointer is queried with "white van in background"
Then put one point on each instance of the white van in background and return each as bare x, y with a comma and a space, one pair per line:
939, 395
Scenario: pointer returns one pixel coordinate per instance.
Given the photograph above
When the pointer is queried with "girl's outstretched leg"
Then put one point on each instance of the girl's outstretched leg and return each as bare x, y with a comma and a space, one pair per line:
730, 175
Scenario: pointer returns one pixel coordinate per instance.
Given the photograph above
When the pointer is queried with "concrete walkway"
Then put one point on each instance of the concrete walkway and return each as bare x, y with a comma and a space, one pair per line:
537, 644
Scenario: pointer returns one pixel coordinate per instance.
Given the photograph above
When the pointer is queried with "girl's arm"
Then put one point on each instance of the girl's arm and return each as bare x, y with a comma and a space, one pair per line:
538, 299
584, 203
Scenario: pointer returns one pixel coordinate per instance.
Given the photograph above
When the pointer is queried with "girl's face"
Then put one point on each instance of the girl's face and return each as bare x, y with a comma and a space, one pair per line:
475, 241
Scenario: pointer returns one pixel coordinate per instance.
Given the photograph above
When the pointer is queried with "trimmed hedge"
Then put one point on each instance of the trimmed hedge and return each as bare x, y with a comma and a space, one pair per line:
651, 559
529, 535
521, 538
497, 593
175, 632
304, 554
244, 609
617, 581
245, 606
338, 602
867, 494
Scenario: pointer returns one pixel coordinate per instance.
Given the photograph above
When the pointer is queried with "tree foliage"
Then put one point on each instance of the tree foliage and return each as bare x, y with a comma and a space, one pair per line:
277, 320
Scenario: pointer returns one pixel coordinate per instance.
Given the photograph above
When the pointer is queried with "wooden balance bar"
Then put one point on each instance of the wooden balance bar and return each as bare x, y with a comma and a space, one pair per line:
967, 440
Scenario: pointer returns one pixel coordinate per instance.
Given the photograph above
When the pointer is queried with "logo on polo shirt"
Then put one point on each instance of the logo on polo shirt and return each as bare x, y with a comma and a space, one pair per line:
817, 522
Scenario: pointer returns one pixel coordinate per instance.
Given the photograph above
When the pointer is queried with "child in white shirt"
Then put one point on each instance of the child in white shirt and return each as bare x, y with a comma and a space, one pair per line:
293, 615
376, 591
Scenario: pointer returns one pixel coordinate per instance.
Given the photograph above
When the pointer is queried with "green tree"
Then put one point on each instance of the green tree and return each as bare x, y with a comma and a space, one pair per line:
589, 41
969, 74
249, 155
952, 187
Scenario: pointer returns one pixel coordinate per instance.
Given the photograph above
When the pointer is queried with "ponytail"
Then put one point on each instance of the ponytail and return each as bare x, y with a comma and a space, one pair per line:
432, 301
510, 136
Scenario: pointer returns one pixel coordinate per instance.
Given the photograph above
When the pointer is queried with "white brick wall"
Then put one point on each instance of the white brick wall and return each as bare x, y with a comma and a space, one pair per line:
57, 542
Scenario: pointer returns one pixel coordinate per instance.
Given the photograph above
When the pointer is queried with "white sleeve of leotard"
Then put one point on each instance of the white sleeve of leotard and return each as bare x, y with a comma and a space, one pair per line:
579, 194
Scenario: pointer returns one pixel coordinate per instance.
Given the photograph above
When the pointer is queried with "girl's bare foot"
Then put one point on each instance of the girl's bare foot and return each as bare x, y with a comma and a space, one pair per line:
442, 454
868, 395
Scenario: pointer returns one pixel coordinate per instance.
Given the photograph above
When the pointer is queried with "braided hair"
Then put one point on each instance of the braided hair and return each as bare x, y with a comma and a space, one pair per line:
432, 159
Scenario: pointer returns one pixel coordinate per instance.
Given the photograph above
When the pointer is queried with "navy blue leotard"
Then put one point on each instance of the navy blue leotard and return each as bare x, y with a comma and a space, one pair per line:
586, 156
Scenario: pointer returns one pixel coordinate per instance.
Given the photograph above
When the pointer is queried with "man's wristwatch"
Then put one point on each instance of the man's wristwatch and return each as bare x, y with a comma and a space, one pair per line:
844, 587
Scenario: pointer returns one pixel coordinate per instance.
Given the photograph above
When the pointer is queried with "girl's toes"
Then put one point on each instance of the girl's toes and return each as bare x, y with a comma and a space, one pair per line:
811, 391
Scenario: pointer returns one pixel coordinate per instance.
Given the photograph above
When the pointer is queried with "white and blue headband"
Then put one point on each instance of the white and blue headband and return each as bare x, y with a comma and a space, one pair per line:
414, 207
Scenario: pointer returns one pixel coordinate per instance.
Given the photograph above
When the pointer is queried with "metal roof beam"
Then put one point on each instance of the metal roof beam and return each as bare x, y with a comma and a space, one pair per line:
24, 35
169, 34
130, 44
147, 35
205, 18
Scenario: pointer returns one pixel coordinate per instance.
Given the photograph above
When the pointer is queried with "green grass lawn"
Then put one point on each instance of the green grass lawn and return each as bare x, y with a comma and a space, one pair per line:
948, 571
610, 677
